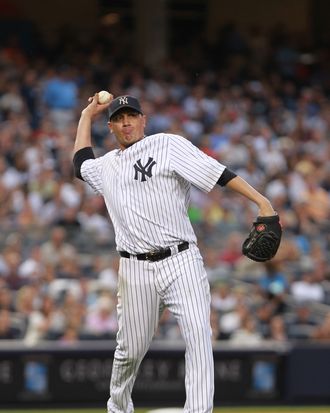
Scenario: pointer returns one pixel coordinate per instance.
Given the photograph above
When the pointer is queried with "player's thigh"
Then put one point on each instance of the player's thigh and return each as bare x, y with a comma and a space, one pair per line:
188, 296
138, 305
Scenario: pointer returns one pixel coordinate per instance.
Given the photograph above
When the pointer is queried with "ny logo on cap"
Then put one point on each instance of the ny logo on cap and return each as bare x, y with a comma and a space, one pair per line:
123, 100
144, 170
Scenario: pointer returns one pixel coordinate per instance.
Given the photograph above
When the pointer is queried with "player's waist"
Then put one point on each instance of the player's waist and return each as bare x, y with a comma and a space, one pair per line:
158, 254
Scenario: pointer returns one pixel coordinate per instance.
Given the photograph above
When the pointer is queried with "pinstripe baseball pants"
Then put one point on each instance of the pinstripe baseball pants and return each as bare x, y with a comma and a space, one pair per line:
180, 283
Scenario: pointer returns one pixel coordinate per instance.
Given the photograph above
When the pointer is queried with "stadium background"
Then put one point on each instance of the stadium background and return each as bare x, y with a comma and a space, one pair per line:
246, 81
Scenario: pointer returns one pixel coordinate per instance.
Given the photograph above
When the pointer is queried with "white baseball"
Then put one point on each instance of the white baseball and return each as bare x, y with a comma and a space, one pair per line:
103, 97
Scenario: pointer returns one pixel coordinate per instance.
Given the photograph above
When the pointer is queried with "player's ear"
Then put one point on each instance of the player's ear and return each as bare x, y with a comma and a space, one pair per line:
109, 126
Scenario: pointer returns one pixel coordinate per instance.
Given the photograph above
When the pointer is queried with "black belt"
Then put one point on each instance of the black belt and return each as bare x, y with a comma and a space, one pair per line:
155, 255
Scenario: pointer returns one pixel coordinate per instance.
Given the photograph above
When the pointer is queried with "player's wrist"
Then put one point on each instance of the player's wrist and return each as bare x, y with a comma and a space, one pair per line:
86, 114
265, 207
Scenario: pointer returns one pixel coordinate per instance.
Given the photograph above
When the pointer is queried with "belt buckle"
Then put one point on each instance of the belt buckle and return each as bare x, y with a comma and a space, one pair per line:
153, 255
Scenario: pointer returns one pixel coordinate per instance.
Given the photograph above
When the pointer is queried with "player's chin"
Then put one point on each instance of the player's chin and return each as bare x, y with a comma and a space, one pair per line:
129, 141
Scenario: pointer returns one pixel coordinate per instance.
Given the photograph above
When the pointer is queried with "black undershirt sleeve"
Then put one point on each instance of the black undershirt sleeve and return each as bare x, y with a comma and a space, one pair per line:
81, 156
226, 176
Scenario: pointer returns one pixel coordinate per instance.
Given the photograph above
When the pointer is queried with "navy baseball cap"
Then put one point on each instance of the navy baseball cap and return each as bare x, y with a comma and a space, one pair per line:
122, 102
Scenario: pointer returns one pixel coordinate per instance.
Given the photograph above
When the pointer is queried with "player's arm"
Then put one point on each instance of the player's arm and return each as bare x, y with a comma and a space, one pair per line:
83, 135
239, 185
83, 142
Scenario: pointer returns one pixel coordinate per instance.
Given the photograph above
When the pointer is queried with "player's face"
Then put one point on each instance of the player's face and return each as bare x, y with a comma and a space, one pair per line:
128, 126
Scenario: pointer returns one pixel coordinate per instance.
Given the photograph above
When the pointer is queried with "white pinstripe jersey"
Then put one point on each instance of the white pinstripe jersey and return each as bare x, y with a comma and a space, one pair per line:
146, 189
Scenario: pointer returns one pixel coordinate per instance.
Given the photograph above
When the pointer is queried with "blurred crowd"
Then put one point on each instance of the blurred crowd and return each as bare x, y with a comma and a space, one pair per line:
258, 102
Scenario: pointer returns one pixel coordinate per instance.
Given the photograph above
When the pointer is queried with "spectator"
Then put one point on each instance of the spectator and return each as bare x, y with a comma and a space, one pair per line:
31, 268
56, 249
60, 96
277, 330
6, 298
74, 310
307, 289
101, 320
232, 252
233, 320
168, 328
247, 333
71, 335
107, 274
322, 331
316, 199
215, 326
273, 281
302, 323
222, 299
44, 322
264, 315
12, 261
303, 315
93, 221
8, 331
69, 221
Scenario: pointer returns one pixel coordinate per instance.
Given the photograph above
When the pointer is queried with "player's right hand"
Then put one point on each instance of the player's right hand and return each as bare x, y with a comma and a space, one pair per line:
94, 108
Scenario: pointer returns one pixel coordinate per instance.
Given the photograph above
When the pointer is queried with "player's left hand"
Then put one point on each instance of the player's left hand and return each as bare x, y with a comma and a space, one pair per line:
264, 238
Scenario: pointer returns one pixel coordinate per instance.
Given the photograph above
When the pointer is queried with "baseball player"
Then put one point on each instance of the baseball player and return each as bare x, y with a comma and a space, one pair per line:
146, 184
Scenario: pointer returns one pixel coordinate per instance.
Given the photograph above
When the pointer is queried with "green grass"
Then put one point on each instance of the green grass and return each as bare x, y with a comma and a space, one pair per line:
259, 409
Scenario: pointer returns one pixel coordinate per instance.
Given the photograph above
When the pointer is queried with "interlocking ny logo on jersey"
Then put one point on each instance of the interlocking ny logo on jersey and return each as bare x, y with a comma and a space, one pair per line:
144, 170
123, 100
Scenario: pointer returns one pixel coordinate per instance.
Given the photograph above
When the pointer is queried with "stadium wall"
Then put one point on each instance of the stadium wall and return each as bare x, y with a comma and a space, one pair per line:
51, 375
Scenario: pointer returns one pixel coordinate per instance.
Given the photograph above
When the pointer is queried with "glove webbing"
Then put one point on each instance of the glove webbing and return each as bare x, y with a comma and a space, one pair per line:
262, 246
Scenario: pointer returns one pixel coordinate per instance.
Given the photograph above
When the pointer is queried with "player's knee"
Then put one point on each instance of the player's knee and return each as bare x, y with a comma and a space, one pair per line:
199, 331
131, 354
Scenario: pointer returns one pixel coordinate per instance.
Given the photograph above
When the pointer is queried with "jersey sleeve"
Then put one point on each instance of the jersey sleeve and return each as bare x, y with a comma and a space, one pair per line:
91, 172
193, 165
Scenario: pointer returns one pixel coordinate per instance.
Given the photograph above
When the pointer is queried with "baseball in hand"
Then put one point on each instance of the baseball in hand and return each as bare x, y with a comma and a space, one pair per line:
103, 97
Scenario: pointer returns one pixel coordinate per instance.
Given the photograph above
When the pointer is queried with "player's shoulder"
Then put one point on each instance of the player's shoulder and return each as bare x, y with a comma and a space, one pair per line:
165, 137
109, 155
154, 141
102, 158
